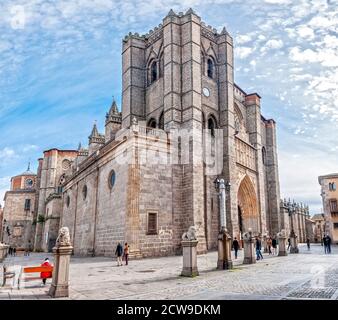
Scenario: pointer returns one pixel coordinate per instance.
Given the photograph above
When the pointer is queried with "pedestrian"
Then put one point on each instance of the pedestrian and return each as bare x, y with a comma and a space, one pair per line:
325, 244
274, 246
14, 252
328, 243
289, 243
126, 252
10, 251
235, 245
308, 243
45, 275
119, 253
259, 255
269, 243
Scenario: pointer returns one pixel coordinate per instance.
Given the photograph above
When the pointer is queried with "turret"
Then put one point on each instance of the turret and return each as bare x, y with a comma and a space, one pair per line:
96, 140
113, 122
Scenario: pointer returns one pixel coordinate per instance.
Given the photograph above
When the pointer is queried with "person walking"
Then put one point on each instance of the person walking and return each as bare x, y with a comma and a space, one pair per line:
119, 253
308, 243
325, 244
45, 275
14, 252
328, 243
126, 252
289, 243
259, 255
235, 245
269, 243
274, 246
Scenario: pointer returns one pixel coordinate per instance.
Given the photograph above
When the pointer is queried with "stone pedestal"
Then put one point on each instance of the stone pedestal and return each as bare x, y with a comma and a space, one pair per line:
282, 249
249, 249
189, 258
3, 251
60, 282
293, 243
224, 251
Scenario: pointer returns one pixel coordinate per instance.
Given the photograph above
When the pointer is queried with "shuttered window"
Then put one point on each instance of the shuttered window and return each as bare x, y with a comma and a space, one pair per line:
333, 206
152, 223
27, 204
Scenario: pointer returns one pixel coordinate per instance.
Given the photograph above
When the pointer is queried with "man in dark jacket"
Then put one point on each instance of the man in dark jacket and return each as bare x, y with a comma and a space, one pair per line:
328, 243
258, 249
235, 245
118, 253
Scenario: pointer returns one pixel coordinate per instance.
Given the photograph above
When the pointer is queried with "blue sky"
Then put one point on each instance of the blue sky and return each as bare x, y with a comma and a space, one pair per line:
60, 65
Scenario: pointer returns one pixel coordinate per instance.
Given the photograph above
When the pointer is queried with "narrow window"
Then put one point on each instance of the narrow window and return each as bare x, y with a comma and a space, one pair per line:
211, 126
334, 188
161, 66
161, 122
152, 223
84, 192
153, 71
264, 155
27, 204
210, 68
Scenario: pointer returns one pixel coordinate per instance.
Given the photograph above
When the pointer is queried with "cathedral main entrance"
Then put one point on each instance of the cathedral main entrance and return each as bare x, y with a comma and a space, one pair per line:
248, 215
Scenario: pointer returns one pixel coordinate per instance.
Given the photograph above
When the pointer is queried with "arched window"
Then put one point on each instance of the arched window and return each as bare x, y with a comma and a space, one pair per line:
152, 123
161, 66
210, 68
161, 121
264, 155
212, 125
332, 186
153, 70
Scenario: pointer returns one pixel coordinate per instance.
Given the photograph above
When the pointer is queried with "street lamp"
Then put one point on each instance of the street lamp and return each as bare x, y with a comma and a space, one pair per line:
224, 239
293, 237
222, 187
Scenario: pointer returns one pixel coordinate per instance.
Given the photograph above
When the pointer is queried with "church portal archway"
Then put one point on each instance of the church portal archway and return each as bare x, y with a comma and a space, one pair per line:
248, 214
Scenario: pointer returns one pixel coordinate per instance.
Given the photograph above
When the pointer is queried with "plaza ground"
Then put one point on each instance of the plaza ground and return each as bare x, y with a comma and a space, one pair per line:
307, 275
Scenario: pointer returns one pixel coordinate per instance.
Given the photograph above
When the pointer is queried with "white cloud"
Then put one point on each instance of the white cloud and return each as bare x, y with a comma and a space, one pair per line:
7, 154
241, 39
305, 32
243, 52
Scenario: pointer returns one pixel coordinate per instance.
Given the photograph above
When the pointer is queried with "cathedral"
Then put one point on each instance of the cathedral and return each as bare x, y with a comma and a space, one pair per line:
151, 175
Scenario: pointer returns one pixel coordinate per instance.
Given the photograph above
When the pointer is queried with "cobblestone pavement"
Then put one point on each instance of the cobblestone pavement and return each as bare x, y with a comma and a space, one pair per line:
307, 275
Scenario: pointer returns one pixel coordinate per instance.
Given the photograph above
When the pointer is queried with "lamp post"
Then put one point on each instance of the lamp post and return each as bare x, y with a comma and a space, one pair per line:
224, 238
293, 237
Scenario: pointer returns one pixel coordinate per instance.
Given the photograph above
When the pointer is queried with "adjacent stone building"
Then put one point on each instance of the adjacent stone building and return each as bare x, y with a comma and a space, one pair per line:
18, 212
297, 218
319, 226
151, 175
329, 195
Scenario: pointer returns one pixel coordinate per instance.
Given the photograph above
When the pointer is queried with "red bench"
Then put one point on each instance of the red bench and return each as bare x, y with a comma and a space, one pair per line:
33, 270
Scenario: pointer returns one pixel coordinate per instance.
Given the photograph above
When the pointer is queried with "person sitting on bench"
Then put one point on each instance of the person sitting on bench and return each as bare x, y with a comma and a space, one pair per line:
45, 275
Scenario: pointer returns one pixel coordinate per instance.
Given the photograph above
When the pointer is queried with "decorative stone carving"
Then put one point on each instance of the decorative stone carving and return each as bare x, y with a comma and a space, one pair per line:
190, 235
63, 240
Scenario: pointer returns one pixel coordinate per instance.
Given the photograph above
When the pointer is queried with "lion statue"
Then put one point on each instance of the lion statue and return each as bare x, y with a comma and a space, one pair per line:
63, 239
190, 234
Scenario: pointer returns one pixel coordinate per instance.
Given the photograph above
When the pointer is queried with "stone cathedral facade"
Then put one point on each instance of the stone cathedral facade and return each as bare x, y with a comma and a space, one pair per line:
177, 78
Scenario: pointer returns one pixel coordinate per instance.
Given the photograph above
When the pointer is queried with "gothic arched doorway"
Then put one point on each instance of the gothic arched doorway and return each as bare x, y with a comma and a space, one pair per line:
248, 215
